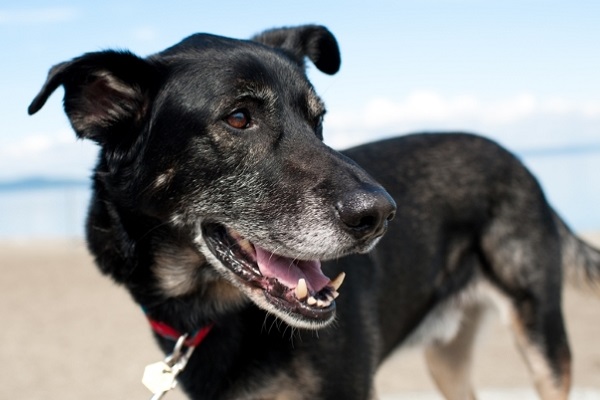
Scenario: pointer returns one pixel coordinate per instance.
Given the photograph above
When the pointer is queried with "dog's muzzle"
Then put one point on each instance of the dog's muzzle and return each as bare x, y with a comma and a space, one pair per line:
293, 286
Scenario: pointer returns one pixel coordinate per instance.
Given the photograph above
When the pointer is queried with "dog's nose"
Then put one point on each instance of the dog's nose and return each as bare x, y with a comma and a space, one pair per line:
365, 213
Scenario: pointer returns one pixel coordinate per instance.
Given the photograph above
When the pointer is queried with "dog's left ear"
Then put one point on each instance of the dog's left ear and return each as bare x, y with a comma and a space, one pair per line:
312, 41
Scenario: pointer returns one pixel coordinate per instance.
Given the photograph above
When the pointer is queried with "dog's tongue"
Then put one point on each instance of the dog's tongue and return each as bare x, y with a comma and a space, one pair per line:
288, 270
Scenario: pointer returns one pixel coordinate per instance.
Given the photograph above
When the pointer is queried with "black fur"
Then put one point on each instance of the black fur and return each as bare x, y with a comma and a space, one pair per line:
218, 133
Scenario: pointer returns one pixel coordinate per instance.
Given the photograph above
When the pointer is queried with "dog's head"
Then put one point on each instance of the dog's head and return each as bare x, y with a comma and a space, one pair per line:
219, 142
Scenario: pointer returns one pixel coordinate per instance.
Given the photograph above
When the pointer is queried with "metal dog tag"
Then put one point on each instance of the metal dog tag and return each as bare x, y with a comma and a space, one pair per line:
159, 377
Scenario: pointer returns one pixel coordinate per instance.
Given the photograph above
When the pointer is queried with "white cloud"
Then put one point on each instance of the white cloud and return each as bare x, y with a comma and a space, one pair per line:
425, 106
591, 110
517, 120
51, 155
521, 122
37, 15
509, 110
34, 145
418, 106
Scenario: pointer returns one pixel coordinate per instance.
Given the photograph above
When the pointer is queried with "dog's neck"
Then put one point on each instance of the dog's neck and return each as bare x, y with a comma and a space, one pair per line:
164, 273
166, 331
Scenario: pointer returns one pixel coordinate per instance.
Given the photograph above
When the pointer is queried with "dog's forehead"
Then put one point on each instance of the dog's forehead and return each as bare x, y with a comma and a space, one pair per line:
223, 66
243, 58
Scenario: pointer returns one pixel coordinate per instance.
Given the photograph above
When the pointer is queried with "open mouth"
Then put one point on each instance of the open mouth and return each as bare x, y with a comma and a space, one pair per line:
291, 285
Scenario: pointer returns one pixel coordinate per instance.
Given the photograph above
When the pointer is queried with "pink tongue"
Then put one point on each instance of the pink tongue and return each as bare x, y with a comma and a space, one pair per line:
288, 271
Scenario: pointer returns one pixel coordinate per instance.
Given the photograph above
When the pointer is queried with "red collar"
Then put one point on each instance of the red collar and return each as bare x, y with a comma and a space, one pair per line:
168, 332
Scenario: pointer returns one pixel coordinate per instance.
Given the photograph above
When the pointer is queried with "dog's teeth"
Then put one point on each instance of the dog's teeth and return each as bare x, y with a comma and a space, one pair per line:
335, 294
329, 297
337, 282
311, 301
301, 289
323, 303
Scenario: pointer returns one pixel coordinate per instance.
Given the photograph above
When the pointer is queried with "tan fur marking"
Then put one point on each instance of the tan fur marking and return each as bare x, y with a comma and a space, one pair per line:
315, 104
547, 384
176, 269
225, 295
450, 363
164, 178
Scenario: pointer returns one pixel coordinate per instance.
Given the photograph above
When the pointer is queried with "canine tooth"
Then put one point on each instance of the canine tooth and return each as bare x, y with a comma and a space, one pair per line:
335, 294
329, 297
337, 282
311, 301
301, 289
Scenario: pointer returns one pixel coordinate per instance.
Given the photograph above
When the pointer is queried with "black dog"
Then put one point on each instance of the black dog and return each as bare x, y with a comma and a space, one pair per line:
215, 202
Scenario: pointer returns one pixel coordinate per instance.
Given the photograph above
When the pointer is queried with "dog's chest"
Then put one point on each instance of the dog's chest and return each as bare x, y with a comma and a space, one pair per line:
298, 381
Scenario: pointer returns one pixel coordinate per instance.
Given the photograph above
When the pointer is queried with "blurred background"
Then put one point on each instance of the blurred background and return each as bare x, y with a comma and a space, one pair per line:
525, 73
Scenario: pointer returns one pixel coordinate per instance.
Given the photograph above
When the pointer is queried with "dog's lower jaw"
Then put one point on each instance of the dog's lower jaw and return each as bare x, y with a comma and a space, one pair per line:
259, 297
289, 318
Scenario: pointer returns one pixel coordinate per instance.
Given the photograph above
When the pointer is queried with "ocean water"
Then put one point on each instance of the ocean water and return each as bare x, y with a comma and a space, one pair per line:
571, 183
47, 212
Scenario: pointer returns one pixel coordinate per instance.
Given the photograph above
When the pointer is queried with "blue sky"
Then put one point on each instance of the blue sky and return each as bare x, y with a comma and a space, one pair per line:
523, 72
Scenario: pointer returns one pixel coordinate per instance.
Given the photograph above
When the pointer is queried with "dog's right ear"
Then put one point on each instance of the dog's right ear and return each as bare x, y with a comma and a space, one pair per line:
107, 94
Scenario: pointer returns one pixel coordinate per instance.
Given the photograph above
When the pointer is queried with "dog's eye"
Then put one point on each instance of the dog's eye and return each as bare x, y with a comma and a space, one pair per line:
239, 119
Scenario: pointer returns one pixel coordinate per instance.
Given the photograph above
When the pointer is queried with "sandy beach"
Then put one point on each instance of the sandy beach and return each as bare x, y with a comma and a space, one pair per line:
70, 333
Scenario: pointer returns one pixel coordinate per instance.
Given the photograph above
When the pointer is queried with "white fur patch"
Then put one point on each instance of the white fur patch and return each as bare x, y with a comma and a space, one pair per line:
443, 323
